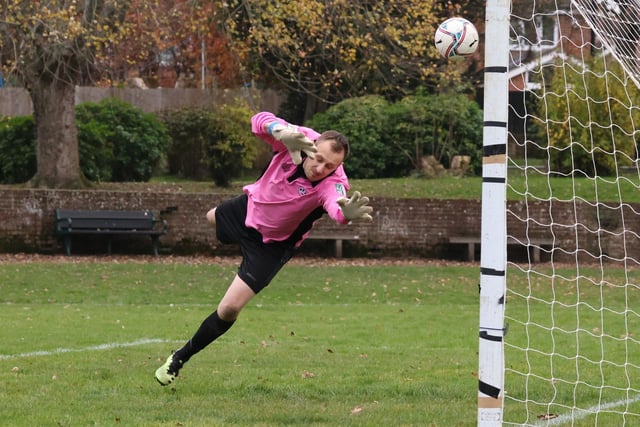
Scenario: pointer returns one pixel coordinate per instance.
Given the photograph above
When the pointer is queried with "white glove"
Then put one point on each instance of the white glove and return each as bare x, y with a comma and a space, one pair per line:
356, 207
295, 141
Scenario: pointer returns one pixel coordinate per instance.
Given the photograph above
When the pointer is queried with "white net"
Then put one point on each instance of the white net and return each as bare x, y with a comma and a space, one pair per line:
572, 351
617, 24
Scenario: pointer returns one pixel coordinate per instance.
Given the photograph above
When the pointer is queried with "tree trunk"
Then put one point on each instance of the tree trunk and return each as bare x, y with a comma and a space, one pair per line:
313, 105
58, 163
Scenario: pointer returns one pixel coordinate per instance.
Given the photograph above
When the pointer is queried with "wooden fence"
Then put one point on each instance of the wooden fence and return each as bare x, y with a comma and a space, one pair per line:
17, 102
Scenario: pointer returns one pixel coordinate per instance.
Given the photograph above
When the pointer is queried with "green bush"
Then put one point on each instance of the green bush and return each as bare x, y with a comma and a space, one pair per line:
207, 144
440, 125
116, 142
119, 142
234, 147
363, 121
17, 149
187, 154
390, 139
581, 141
95, 150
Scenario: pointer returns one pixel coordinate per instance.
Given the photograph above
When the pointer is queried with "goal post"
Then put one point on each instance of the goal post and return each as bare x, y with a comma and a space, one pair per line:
559, 327
493, 229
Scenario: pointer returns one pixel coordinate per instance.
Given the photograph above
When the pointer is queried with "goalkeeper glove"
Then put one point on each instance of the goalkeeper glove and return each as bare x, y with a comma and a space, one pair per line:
296, 142
356, 207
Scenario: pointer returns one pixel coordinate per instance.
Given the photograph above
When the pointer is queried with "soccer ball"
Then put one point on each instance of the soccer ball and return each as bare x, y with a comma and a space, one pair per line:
456, 37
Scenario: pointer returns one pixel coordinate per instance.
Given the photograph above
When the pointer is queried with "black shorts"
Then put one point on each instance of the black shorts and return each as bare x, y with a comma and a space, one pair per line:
260, 261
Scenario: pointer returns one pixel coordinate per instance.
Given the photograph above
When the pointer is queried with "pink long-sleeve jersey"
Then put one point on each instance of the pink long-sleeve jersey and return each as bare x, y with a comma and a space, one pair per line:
283, 203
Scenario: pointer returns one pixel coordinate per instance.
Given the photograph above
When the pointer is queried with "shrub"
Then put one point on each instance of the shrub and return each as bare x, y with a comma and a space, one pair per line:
363, 121
187, 154
389, 140
442, 126
119, 142
116, 142
17, 149
208, 144
233, 146
95, 149
577, 144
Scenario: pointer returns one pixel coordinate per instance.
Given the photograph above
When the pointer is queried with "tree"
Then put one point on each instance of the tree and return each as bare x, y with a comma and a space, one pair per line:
182, 38
51, 46
332, 50
48, 47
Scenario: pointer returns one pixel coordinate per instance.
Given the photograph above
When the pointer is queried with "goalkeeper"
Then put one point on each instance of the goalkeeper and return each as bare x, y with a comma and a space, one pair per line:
304, 180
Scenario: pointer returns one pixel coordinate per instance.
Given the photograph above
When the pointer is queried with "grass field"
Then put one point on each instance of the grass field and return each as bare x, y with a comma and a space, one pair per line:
357, 342
362, 345
572, 346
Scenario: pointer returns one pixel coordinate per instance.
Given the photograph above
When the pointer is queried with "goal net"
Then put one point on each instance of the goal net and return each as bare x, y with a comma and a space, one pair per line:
572, 312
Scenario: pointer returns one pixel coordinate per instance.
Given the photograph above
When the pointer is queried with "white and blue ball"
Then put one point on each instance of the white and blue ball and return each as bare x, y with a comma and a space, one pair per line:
456, 37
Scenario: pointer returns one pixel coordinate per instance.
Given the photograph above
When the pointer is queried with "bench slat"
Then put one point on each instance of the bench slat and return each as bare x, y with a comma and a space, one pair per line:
114, 232
107, 224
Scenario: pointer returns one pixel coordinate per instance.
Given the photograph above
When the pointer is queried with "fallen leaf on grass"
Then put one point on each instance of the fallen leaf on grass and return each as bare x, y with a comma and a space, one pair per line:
357, 410
307, 374
547, 416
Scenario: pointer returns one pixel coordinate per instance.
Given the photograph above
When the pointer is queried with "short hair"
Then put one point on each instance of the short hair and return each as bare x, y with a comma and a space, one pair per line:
340, 142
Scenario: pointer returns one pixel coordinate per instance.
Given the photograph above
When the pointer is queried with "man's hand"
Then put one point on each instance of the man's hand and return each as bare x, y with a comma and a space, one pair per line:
296, 142
356, 207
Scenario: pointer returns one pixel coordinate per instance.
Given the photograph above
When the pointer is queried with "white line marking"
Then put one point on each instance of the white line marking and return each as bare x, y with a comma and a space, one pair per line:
579, 414
108, 346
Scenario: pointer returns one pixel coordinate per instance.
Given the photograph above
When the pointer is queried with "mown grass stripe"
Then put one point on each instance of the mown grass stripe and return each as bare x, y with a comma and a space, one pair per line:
107, 346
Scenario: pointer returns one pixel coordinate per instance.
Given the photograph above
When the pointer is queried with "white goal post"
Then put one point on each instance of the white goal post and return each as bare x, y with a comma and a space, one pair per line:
559, 333
493, 239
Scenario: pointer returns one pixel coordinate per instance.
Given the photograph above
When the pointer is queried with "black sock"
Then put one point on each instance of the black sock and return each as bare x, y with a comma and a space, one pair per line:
212, 327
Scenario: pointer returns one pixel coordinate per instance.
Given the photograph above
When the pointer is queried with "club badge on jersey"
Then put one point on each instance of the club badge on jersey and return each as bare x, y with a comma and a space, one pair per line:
340, 190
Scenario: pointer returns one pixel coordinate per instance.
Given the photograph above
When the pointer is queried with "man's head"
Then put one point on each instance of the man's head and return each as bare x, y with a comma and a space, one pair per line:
333, 148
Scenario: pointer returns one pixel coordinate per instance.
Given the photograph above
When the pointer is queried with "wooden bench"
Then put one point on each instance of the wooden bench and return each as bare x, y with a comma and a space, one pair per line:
472, 241
336, 238
109, 223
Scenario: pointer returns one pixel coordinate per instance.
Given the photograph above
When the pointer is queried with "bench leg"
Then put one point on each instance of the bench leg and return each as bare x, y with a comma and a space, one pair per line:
536, 253
154, 245
67, 245
338, 248
471, 251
